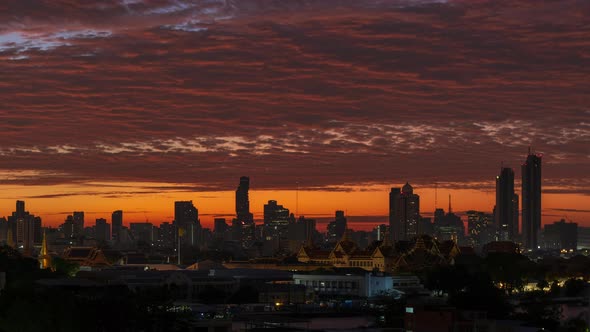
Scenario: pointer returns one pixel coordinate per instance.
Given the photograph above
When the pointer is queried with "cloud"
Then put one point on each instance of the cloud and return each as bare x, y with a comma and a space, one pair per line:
325, 95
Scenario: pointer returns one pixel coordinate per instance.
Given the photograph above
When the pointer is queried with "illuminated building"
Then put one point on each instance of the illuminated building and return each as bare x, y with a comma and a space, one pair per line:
531, 201
337, 227
561, 235
276, 221
186, 219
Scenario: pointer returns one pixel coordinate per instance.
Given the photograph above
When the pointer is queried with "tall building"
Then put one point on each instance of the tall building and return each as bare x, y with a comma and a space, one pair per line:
78, 223
25, 231
404, 213
243, 202
102, 230
117, 224
220, 227
393, 212
337, 227
143, 232
244, 228
186, 219
276, 221
481, 228
561, 235
531, 201
506, 212
24, 228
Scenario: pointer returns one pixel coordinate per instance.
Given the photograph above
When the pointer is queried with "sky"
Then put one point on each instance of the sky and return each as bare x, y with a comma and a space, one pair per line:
325, 104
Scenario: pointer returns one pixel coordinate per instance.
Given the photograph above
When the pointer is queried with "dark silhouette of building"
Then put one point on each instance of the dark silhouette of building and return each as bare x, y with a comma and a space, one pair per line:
102, 230
117, 224
404, 213
24, 228
220, 227
337, 227
531, 201
243, 202
276, 221
78, 217
243, 227
67, 228
506, 211
481, 228
166, 236
143, 232
561, 235
186, 219
448, 226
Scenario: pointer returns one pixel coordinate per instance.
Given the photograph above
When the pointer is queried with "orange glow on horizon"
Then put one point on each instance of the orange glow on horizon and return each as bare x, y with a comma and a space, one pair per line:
98, 200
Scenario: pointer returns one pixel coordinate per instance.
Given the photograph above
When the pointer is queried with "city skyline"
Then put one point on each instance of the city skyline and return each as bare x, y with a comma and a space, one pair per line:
136, 104
360, 222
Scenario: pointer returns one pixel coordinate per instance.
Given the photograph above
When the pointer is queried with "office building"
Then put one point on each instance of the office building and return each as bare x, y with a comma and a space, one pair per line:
117, 224
276, 221
531, 201
102, 230
506, 211
404, 213
337, 227
243, 226
143, 232
186, 219
78, 218
561, 235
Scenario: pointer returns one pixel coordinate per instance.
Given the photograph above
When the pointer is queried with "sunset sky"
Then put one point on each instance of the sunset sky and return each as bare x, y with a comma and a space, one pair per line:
133, 104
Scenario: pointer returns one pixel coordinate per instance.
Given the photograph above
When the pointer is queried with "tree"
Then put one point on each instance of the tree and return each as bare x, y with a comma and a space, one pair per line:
542, 284
574, 287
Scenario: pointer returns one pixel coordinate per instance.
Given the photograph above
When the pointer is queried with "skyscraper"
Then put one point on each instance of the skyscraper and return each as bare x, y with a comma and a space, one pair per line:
337, 228
117, 224
393, 212
244, 228
242, 201
276, 220
531, 200
102, 230
78, 223
186, 218
404, 213
506, 213
24, 228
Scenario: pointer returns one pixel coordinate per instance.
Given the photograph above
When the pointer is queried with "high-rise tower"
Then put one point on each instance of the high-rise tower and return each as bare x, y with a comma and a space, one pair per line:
242, 201
506, 213
117, 224
531, 200
404, 213
243, 227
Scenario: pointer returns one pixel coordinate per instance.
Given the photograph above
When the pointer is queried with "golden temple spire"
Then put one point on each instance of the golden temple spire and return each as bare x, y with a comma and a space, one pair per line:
44, 258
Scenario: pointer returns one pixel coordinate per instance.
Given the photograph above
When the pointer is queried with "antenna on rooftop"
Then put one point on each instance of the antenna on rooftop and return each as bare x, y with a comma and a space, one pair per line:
297, 199
435, 195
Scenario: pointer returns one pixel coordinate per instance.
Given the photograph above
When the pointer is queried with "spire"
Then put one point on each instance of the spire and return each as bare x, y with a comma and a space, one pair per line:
44, 258
44, 250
